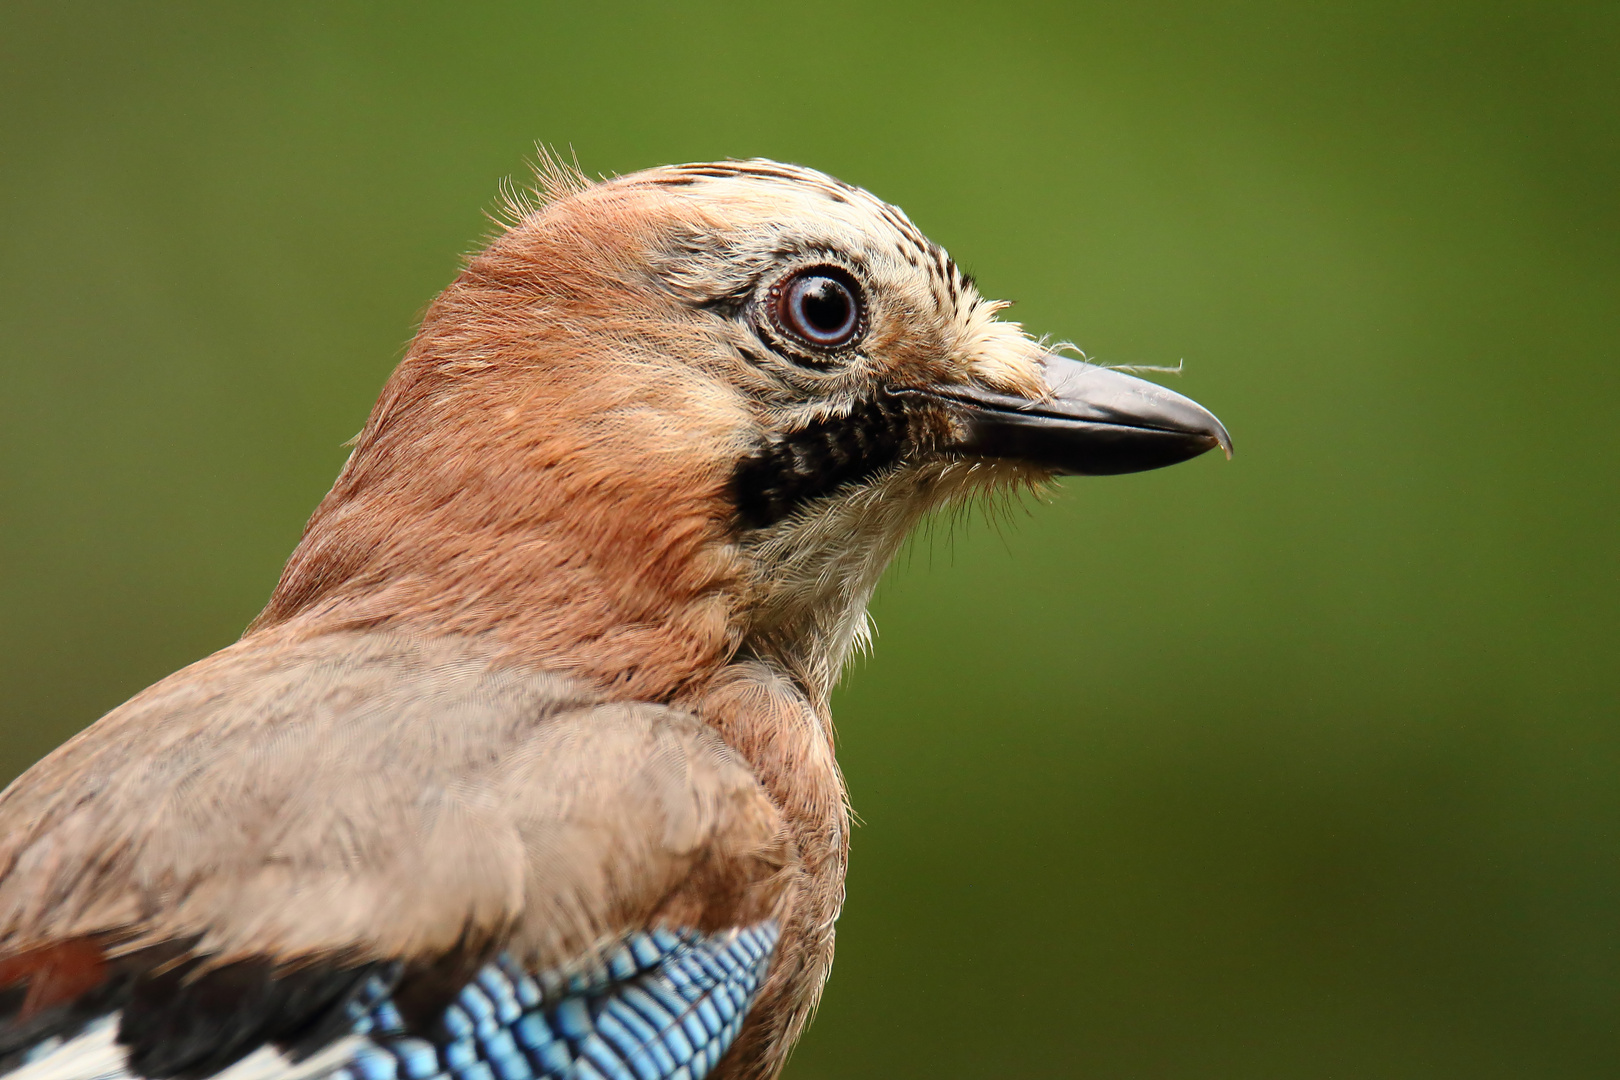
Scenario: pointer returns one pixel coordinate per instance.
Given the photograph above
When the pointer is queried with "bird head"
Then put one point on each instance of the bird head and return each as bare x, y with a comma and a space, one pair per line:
691, 413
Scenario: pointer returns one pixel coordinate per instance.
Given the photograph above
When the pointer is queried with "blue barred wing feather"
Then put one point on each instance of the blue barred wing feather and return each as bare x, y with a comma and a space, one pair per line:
666, 1005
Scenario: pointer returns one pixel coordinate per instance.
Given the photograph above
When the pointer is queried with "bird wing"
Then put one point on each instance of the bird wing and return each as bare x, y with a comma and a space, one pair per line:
384, 855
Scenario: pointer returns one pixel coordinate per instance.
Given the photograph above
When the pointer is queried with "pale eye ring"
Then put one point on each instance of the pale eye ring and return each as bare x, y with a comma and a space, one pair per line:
819, 306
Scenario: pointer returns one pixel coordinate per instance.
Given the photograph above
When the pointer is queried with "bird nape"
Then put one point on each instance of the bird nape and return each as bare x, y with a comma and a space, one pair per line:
526, 769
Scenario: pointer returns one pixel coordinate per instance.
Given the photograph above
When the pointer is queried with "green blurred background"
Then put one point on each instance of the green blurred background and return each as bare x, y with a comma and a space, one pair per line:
1303, 765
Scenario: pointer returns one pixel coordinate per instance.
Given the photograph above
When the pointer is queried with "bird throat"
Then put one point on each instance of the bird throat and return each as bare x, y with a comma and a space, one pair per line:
786, 472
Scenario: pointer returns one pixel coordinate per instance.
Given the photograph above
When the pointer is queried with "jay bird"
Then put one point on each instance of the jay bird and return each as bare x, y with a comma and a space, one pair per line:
526, 769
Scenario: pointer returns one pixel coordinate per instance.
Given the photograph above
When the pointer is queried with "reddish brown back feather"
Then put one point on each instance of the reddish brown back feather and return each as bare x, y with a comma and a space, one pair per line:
54, 974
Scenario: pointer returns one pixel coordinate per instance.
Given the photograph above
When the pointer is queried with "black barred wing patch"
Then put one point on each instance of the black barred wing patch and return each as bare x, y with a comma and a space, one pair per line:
666, 1005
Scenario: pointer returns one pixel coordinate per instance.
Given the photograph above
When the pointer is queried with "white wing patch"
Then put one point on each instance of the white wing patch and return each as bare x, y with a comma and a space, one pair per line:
94, 1054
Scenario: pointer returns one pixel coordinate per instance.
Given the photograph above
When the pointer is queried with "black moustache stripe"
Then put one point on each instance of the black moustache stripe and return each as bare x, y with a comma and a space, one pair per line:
787, 471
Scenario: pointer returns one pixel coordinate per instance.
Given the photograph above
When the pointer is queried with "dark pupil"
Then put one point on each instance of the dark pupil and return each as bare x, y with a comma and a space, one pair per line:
825, 303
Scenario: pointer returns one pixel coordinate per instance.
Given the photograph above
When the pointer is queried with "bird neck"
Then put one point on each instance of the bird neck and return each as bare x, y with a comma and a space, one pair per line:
453, 516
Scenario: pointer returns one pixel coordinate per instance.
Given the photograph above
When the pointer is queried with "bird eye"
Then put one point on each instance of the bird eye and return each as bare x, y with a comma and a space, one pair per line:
820, 306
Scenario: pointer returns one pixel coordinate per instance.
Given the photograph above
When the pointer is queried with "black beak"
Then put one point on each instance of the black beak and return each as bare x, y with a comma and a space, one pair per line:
1095, 422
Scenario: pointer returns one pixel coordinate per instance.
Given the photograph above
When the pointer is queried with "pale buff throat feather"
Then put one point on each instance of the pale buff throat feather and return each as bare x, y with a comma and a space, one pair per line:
526, 769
